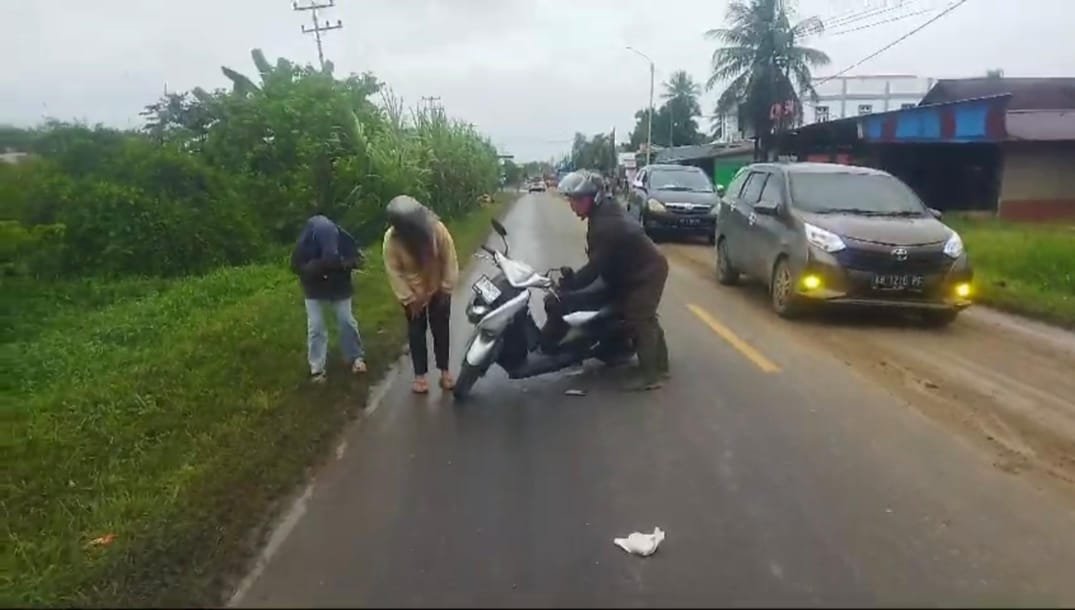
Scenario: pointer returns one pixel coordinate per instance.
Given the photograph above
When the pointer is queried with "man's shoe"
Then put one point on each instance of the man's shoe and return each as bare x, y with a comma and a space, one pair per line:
642, 385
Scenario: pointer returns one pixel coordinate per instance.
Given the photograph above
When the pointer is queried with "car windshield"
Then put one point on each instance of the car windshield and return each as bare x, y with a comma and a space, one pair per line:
680, 180
869, 194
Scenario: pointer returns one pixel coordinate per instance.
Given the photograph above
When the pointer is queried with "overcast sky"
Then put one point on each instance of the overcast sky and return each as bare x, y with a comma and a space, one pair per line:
529, 73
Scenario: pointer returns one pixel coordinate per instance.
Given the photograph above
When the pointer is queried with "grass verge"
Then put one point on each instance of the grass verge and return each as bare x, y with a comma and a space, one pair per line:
1027, 269
155, 423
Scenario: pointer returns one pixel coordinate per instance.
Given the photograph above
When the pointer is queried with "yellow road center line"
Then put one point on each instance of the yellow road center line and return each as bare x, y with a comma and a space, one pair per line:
725, 333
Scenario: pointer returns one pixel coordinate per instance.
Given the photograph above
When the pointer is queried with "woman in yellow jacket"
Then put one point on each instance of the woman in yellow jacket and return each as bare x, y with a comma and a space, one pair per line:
419, 256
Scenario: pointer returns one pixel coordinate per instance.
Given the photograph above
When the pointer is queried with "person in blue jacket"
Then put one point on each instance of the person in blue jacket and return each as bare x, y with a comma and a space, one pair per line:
323, 258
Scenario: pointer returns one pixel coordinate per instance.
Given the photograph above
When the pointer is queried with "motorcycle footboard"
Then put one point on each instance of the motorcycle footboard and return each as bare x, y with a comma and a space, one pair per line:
541, 364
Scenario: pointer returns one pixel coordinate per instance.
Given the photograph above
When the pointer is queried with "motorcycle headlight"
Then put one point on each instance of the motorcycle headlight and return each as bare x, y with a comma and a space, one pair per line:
655, 206
826, 240
954, 246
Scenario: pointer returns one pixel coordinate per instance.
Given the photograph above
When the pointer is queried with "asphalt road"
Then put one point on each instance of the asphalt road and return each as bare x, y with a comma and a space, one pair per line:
782, 470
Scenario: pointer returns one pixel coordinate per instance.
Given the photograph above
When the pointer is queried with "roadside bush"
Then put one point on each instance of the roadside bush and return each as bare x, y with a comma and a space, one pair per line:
215, 177
113, 229
36, 250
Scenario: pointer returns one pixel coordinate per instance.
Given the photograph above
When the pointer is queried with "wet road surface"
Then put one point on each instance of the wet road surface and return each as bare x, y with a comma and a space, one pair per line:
781, 468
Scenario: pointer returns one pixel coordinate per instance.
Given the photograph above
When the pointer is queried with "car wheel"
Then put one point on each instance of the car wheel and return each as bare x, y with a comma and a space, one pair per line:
939, 318
782, 296
726, 274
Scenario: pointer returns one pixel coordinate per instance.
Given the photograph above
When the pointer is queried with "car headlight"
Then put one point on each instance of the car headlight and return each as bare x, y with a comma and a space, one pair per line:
826, 240
954, 246
655, 206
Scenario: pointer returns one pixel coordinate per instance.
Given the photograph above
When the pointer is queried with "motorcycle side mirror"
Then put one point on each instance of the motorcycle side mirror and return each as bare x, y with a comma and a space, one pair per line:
499, 228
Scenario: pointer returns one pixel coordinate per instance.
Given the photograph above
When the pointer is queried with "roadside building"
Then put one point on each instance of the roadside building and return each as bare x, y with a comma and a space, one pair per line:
842, 97
720, 161
12, 156
998, 145
849, 96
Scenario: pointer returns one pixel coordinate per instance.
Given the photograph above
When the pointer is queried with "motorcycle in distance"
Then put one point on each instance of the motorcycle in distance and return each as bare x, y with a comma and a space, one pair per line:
505, 331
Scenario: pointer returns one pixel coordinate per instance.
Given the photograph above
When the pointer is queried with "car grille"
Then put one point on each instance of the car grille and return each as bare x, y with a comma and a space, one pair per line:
883, 261
687, 208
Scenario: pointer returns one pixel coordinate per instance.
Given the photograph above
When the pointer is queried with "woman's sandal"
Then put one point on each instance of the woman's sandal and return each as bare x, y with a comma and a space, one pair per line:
420, 386
447, 382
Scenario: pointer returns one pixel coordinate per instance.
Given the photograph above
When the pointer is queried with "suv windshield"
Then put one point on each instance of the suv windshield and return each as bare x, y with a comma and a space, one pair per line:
853, 194
680, 180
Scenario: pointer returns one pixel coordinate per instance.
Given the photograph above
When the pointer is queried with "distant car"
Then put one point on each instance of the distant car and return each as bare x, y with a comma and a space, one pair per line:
673, 199
536, 185
839, 234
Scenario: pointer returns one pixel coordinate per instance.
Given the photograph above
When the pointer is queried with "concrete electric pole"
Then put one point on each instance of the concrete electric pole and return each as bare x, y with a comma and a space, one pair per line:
313, 7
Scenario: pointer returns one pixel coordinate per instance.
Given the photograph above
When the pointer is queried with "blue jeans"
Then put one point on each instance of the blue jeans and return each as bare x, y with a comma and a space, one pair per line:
317, 333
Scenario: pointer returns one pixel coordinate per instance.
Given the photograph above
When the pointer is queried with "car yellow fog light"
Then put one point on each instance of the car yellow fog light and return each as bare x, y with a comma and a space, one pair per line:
811, 282
963, 290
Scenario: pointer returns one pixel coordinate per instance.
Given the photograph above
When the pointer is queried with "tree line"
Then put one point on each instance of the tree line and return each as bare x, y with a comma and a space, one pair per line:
228, 176
760, 61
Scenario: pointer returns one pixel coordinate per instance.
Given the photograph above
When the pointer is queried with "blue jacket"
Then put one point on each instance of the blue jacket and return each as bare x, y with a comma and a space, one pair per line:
323, 258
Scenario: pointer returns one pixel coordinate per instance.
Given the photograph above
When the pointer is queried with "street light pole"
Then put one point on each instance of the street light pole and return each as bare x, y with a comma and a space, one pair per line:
649, 127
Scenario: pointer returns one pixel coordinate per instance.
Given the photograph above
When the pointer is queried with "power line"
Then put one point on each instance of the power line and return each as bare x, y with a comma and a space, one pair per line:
317, 29
882, 22
855, 17
858, 63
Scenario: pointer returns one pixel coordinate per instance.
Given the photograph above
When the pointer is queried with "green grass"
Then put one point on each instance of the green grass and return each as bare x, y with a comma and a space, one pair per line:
1023, 268
171, 414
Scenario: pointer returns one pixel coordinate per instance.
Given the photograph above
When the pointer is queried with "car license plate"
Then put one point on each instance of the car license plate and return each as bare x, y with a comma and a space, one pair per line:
898, 281
690, 222
487, 290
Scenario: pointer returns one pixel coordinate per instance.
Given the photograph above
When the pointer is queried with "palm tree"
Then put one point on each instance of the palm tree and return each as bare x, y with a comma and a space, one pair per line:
680, 85
681, 99
763, 62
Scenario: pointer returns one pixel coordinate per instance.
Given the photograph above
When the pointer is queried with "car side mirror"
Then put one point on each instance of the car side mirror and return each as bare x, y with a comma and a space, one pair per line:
767, 208
499, 228
936, 213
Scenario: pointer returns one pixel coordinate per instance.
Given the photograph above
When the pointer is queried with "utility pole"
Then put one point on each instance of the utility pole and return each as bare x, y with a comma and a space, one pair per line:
671, 123
649, 126
430, 100
317, 29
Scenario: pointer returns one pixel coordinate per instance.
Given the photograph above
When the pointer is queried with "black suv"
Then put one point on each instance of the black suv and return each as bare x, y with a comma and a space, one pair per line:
673, 199
827, 233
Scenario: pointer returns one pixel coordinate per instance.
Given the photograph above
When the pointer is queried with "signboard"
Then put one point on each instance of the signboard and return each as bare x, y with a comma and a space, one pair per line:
626, 160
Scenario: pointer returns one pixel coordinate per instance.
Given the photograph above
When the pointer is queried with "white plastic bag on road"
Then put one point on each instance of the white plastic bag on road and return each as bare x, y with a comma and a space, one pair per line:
641, 544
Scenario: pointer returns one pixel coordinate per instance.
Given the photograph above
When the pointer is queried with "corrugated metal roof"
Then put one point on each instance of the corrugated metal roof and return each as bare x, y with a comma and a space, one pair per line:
702, 151
1027, 93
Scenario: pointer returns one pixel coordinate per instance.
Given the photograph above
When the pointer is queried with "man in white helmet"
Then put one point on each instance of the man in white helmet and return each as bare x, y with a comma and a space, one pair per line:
631, 266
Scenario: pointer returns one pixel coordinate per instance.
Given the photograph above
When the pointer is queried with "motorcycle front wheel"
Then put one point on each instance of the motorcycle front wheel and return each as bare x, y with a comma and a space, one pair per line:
468, 374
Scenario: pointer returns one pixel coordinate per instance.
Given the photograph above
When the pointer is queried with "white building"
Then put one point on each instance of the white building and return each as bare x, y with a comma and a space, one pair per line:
847, 96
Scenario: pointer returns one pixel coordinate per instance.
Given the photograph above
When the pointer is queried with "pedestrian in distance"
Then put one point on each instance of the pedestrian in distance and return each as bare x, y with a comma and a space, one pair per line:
422, 268
323, 258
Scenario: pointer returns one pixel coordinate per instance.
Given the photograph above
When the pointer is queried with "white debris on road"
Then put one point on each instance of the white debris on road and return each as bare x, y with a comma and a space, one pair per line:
641, 544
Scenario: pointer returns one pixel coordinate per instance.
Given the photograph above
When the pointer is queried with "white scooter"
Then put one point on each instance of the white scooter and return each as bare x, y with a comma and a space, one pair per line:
505, 331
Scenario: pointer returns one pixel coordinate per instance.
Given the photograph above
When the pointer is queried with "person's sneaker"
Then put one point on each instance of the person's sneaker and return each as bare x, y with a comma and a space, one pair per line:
358, 367
318, 377
642, 385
